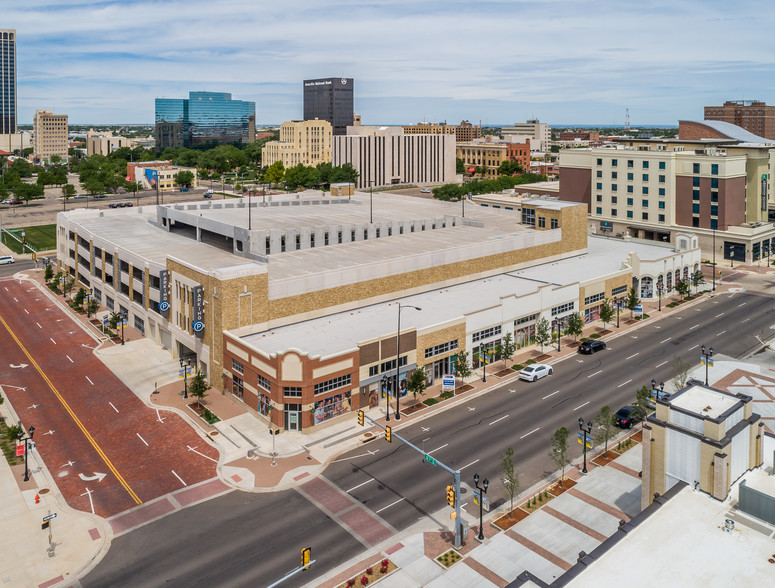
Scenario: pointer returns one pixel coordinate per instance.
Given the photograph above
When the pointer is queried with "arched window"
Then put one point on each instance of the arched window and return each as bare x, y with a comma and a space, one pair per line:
686, 273
646, 287
669, 281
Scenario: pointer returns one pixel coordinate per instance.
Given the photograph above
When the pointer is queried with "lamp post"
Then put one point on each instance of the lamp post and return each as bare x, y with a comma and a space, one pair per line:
21, 437
383, 382
659, 293
731, 258
398, 357
584, 432
482, 492
483, 355
706, 357
371, 201
184, 365
559, 334
618, 310
658, 391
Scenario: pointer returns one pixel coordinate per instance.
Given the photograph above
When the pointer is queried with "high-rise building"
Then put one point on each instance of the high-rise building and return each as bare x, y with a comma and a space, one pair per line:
50, 136
330, 99
752, 115
301, 141
7, 81
204, 119
539, 133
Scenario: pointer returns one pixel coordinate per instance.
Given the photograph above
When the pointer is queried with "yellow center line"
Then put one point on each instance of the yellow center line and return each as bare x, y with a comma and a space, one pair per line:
91, 440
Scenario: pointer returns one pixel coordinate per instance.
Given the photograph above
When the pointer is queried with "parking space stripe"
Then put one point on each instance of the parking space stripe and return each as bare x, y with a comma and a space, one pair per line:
72, 414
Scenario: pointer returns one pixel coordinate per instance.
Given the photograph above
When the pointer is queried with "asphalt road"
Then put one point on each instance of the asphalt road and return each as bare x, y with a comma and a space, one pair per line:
10, 269
394, 482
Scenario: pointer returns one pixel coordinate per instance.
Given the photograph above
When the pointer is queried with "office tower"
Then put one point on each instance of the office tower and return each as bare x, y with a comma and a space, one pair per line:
204, 119
7, 81
50, 136
752, 115
330, 99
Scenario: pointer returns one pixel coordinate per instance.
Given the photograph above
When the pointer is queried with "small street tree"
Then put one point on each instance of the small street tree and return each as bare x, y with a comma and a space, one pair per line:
508, 347
642, 404
275, 173
697, 279
606, 312
680, 371
509, 479
184, 178
415, 383
605, 427
68, 191
67, 287
559, 451
682, 287
632, 300
543, 332
461, 366
198, 386
113, 320
79, 297
92, 307
575, 325
48, 273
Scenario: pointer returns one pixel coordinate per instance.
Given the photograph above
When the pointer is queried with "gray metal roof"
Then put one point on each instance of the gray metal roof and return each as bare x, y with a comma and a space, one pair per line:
733, 131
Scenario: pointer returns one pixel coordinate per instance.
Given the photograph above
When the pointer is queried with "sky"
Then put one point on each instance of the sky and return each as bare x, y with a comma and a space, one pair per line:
496, 61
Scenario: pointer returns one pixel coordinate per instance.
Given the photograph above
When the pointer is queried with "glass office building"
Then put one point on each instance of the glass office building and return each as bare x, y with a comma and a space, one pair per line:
7, 81
204, 119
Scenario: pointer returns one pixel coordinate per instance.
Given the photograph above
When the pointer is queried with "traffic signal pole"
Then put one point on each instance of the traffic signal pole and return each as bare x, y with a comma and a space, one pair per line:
433, 461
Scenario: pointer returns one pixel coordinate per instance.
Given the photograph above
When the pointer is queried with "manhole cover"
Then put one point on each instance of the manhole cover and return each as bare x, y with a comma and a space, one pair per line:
463, 490
367, 435
43, 491
213, 433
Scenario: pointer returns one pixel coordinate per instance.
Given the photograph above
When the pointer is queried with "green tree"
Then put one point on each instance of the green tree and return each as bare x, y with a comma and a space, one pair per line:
697, 279
68, 191
79, 297
606, 312
682, 287
510, 168
275, 173
543, 332
92, 307
198, 386
48, 273
680, 371
642, 404
184, 178
509, 479
508, 347
449, 192
575, 325
67, 287
460, 166
415, 383
461, 365
559, 451
481, 170
632, 300
605, 427
114, 320
554, 148
55, 159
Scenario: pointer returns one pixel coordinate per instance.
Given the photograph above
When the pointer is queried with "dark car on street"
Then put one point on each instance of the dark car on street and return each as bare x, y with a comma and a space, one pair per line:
625, 417
589, 347
114, 205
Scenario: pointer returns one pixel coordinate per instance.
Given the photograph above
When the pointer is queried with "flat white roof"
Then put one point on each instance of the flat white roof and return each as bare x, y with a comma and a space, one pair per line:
704, 401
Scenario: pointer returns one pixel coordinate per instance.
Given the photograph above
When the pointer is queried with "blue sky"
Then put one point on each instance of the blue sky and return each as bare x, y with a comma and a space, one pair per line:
498, 61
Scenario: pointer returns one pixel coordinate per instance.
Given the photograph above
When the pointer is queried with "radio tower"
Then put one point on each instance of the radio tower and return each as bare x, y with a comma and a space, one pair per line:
627, 121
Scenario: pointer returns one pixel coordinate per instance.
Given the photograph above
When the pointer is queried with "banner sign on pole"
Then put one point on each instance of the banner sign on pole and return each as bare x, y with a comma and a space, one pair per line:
589, 439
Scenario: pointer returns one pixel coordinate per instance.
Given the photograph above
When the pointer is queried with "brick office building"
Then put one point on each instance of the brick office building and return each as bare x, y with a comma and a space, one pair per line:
752, 115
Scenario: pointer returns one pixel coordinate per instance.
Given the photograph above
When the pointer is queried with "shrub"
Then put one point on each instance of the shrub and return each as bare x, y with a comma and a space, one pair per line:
595, 336
430, 401
364, 580
519, 366
369, 571
530, 362
446, 394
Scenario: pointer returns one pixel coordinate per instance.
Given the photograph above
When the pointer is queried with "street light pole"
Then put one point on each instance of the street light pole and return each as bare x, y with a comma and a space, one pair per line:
559, 334
658, 391
706, 357
714, 260
21, 437
584, 432
383, 383
659, 292
184, 364
618, 310
398, 358
483, 355
482, 492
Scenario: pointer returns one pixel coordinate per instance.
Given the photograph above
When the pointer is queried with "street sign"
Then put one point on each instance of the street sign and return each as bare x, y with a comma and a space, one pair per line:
447, 382
639, 308
589, 440
20, 450
430, 459
49, 517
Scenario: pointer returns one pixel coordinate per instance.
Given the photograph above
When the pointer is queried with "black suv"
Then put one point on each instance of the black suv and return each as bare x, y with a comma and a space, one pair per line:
589, 347
625, 417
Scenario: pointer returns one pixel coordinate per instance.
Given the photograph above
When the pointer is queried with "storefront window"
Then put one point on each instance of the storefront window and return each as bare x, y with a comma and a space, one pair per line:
492, 351
238, 387
331, 407
646, 287
264, 406
669, 281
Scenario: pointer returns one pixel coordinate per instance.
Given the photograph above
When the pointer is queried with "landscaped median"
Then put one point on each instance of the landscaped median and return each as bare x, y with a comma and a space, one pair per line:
371, 574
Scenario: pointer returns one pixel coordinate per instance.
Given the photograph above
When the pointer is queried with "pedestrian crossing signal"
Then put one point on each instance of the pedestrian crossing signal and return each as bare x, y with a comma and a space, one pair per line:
360, 418
451, 496
388, 435
305, 557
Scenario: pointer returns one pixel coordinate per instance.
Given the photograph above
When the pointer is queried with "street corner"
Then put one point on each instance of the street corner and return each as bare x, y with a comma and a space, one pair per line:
263, 474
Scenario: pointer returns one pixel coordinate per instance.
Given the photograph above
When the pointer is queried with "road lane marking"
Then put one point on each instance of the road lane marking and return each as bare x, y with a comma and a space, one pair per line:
114, 408
695, 347
582, 405
665, 340
738, 306
624, 383
694, 327
90, 500
633, 355
15, 300
158, 416
548, 395
470, 464
500, 419
718, 334
661, 364
530, 433
143, 440
359, 485
718, 315
179, 478
90, 382
371, 453
39, 325
72, 414
68, 357
27, 311
54, 342
442, 447
746, 320
202, 454
598, 372
389, 505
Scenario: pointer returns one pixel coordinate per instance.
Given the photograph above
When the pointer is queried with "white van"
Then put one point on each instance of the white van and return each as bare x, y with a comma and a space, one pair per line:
4, 259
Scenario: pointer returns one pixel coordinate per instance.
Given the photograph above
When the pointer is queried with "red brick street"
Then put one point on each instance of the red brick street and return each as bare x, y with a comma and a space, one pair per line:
87, 422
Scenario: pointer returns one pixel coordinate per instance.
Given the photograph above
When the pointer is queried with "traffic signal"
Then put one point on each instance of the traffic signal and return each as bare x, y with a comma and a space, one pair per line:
305, 557
360, 418
451, 496
388, 435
